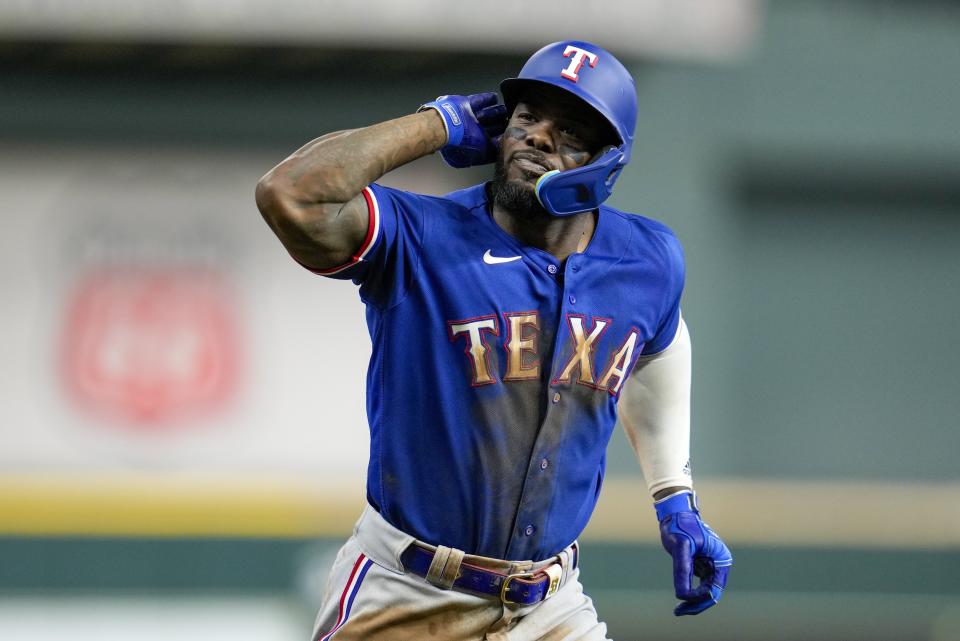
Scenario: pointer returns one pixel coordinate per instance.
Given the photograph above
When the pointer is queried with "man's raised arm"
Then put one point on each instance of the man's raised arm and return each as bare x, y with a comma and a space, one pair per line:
312, 200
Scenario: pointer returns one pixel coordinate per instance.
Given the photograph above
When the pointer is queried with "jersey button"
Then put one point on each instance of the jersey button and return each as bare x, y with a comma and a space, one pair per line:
552, 268
573, 299
575, 268
530, 530
544, 464
556, 397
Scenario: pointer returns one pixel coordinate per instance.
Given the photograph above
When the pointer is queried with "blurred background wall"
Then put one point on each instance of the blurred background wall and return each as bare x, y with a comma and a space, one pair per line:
182, 437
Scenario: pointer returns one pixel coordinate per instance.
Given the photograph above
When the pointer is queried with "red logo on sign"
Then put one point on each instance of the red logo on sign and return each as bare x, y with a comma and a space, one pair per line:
151, 346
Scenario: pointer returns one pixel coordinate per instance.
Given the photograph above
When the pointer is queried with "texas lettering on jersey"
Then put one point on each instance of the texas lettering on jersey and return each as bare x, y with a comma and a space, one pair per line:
523, 359
496, 369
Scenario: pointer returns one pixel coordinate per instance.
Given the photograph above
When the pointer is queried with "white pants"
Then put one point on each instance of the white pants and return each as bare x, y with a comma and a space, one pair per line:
370, 597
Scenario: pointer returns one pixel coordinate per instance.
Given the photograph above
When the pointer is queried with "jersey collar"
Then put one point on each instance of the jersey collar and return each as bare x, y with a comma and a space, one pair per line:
611, 237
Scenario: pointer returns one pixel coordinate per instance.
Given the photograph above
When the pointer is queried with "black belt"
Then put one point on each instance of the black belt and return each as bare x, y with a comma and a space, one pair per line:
525, 588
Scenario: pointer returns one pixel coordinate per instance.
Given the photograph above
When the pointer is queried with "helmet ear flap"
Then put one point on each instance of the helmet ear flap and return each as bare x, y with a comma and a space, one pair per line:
564, 193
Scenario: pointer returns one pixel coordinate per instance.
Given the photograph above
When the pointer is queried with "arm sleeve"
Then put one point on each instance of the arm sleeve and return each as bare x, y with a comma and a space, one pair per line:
386, 263
654, 409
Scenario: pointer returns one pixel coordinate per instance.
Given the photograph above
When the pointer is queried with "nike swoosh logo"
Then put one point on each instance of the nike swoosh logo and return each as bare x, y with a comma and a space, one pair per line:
490, 259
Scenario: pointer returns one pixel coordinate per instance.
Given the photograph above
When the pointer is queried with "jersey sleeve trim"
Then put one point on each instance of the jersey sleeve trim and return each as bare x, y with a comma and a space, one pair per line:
373, 230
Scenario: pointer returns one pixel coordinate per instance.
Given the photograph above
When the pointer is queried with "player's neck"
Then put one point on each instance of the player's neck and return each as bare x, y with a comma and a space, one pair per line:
559, 236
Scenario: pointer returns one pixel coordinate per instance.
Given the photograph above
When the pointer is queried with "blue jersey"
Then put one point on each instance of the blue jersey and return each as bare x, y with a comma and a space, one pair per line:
493, 382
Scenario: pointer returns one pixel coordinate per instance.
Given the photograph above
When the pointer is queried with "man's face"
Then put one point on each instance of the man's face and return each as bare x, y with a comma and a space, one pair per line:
549, 129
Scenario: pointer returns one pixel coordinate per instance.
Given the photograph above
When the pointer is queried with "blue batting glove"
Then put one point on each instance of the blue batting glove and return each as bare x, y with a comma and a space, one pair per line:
474, 125
696, 550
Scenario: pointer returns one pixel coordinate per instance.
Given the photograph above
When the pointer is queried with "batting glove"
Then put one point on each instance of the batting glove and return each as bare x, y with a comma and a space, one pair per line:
696, 550
474, 125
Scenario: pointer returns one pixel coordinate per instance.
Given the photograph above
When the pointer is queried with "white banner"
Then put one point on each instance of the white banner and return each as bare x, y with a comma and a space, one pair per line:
153, 323
688, 29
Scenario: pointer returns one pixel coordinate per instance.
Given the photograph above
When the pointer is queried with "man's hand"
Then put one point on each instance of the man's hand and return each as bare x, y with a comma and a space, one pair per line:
474, 124
696, 550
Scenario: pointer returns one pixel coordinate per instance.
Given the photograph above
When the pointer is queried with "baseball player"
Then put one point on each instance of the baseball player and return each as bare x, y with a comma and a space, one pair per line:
512, 323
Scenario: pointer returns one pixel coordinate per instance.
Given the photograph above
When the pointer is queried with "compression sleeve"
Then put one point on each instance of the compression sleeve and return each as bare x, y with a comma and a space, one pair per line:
654, 408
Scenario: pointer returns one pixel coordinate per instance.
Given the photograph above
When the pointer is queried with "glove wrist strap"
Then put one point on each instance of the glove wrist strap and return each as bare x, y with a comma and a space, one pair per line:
682, 501
452, 120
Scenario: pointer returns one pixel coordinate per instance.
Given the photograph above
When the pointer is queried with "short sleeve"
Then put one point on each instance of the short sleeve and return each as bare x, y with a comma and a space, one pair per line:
673, 278
386, 263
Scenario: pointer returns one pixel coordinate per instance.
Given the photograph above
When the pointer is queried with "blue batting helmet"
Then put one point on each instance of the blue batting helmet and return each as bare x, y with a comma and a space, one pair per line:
596, 77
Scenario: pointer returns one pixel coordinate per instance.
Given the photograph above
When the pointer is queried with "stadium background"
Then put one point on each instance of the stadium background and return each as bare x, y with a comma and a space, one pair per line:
182, 441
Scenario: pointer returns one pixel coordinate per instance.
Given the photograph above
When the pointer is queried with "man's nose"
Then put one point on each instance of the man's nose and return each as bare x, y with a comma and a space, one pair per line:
540, 136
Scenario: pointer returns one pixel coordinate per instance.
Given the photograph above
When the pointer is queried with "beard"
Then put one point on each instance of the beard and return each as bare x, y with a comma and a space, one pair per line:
515, 196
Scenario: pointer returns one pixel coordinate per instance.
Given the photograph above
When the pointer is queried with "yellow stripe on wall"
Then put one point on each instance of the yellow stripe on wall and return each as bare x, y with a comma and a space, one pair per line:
750, 511
798, 513
141, 505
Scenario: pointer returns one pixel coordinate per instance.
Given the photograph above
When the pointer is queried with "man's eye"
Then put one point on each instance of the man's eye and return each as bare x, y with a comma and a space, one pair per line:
524, 116
569, 131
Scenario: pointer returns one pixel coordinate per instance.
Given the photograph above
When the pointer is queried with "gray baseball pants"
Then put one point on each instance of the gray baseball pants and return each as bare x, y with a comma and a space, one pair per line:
370, 597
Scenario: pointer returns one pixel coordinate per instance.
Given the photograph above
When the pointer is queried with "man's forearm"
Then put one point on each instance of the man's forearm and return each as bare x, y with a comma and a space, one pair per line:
336, 167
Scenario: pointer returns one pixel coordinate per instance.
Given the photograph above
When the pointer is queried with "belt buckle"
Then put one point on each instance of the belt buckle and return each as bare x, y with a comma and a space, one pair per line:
506, 584
554, 574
